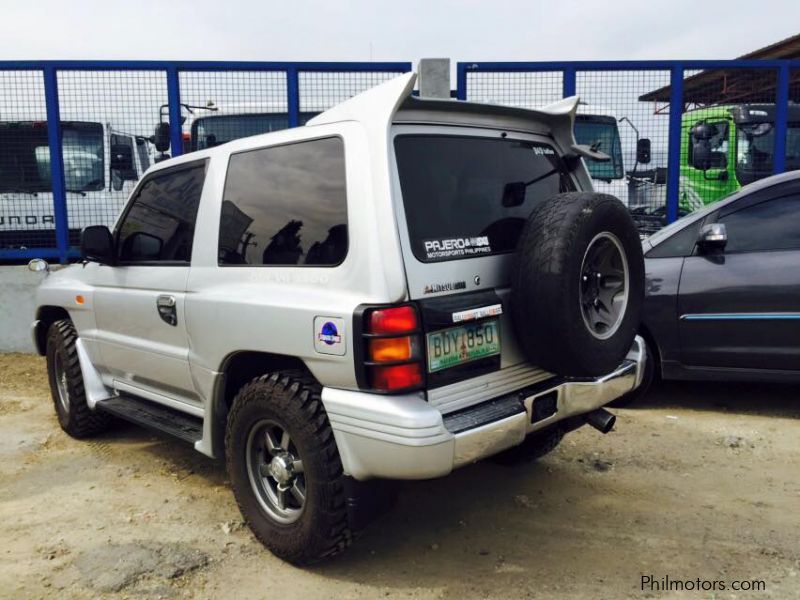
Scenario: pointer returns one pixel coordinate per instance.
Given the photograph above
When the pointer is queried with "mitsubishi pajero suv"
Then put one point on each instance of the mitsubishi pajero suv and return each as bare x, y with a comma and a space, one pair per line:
399, 288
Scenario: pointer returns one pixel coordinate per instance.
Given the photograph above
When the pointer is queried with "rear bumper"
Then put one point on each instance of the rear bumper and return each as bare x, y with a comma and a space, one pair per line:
404, 437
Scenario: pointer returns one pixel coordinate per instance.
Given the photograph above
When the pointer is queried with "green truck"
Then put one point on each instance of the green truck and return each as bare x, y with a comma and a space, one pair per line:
727, 146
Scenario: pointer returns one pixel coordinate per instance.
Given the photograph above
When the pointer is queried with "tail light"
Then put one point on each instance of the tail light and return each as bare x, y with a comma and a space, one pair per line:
391, 349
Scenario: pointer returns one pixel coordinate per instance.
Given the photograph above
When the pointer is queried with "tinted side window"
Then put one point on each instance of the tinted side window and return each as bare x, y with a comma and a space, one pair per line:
770, 225
159, 225
680, 244
285, 205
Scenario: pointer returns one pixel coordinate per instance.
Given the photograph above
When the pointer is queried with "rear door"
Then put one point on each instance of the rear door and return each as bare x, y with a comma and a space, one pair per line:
139, 302
466, 195
741, 308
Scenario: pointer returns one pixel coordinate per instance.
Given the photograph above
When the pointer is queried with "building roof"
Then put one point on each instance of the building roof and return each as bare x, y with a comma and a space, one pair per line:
719, 86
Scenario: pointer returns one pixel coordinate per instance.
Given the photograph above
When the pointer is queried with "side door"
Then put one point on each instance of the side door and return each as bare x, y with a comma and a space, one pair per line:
740, 308
139, 302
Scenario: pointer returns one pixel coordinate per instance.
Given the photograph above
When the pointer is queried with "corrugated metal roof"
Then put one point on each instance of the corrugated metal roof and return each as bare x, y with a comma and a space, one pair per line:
725, 86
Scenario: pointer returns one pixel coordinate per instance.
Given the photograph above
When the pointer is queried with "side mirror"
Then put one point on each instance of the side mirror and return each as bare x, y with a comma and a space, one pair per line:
701, 155
161, 137
643, 151
704, 131
141, 246
713, 237
122, 160
97, 245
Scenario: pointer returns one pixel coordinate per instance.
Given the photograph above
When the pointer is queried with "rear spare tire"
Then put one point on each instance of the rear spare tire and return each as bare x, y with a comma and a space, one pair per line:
578, 284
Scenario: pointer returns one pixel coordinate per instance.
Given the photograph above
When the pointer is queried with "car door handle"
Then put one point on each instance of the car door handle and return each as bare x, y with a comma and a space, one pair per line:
166, 309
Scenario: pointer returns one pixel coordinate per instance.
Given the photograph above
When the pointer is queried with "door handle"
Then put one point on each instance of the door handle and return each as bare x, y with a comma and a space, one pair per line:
166, 309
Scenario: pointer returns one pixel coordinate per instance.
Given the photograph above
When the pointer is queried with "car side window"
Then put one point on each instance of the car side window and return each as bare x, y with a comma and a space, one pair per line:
158, 226
680, 244
770, 225
285, 206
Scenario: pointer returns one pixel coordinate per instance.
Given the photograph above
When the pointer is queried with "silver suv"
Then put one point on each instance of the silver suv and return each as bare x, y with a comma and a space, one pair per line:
400, 288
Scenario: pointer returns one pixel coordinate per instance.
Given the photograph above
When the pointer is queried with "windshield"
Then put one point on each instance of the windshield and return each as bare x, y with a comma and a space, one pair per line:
470, 196
211, 131
25, 156
755, 149
601, 131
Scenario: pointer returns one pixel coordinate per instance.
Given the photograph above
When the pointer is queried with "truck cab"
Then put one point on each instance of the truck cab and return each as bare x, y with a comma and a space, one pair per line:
728, 146
101, 167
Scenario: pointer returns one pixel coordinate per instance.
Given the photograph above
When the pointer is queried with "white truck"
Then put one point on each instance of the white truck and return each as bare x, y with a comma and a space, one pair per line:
101, 168
402, 287
215, 123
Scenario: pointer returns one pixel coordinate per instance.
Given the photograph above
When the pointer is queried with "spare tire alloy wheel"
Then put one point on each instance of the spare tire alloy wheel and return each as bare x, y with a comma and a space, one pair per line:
604, 285
577, 284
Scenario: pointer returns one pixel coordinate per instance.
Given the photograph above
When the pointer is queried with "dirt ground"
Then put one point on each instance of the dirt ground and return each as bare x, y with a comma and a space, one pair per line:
700, 481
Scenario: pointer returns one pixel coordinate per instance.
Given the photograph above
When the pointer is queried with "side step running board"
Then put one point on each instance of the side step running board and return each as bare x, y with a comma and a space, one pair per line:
154, 416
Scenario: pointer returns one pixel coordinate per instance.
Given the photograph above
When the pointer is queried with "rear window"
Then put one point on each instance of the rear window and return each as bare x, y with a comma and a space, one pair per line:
470, 196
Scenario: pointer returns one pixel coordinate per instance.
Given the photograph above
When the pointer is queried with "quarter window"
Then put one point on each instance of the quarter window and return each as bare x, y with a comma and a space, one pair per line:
159, 225
770, 225
285, 205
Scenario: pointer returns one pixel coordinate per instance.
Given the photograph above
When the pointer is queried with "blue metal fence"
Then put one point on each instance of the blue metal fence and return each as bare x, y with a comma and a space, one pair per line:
59, 120
689, 86
43, 205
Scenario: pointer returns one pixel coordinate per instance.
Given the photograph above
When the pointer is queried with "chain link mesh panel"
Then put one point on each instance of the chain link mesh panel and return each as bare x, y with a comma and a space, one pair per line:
26, 199
107, 118
635, 134
793, 131
218, 107
529, 89
321, 90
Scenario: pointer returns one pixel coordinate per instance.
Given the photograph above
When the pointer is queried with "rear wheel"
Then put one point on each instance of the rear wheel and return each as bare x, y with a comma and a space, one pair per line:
285, 468
66, 383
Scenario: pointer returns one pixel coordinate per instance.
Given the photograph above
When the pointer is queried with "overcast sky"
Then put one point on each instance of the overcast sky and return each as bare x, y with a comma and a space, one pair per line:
360, 30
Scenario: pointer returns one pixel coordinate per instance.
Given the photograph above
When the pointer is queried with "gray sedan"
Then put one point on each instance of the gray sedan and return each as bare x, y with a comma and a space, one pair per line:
723, 289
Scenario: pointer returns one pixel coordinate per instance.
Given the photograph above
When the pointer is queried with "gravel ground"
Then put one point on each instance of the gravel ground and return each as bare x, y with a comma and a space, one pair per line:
699, 481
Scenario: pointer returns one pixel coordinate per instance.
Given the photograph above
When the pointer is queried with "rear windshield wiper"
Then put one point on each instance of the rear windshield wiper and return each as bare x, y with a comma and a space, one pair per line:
514, 191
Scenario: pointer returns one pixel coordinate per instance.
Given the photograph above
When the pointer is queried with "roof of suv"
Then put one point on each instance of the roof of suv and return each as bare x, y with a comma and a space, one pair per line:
392, 102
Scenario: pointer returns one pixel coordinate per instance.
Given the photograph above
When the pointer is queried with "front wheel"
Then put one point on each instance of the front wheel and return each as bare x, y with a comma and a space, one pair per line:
66, 383
285, 468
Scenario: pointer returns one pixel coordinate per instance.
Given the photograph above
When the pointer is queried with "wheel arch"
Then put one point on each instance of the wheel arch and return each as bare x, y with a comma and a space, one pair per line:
240, 367
46, 316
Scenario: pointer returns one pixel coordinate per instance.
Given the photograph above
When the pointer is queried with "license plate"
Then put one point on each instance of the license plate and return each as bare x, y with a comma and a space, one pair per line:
458, 345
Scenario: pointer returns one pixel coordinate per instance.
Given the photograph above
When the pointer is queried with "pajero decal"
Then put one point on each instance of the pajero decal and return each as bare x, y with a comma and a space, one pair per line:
455, 247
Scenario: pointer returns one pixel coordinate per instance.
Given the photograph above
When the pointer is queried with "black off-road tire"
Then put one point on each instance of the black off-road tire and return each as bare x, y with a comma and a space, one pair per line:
546, 284
534, 447
76, 418
292, 400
